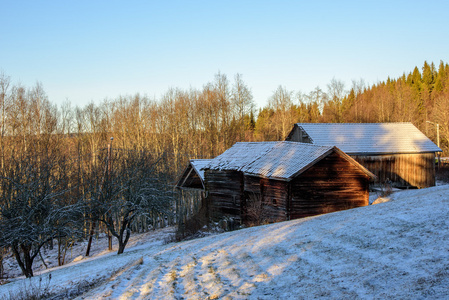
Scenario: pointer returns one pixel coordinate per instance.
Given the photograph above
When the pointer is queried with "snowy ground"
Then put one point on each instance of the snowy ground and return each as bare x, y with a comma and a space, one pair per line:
397, 249
78, 250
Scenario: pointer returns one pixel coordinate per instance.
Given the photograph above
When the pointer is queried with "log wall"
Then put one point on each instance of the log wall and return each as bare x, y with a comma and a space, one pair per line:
274, 195
332, 184
224, 193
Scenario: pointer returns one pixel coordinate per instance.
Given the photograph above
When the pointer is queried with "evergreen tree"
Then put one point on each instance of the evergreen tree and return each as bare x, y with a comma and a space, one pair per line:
440, 78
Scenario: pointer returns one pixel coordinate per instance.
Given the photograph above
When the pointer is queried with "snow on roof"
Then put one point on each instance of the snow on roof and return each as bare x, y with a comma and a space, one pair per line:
193, 175
372, 138
198, 164
240, 154
280, 160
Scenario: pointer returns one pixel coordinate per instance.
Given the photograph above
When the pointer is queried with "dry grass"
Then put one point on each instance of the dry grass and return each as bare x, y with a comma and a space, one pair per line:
31, 290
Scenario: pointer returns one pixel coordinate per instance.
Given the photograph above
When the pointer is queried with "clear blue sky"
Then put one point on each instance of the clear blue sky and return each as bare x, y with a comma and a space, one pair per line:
90, 50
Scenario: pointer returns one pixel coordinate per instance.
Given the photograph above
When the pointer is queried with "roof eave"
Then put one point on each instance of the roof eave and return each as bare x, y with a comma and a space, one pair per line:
268, 177
389, 153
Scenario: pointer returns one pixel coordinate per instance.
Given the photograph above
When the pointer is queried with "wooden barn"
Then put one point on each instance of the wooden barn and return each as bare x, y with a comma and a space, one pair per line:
397, 153
283, 181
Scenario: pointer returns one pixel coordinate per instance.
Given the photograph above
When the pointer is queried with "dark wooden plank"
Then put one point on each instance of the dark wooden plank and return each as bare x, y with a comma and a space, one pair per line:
332, 184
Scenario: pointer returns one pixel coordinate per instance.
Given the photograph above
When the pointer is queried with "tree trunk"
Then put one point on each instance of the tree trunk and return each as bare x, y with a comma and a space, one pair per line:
89, 244
109, 241
27, 262
111, 223
1, 263
60, 258
122, 243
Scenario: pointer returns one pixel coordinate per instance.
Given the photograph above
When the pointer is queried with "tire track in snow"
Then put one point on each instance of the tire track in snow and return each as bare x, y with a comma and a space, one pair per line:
164, 283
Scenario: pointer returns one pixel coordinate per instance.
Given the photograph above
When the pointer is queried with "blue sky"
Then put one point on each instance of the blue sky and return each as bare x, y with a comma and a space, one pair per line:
91, 50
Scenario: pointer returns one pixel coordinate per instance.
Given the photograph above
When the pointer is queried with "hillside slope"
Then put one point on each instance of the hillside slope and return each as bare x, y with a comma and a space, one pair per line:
396, 249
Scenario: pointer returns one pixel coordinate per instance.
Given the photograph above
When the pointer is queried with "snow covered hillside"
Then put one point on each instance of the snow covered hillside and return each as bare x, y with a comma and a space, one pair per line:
398, 249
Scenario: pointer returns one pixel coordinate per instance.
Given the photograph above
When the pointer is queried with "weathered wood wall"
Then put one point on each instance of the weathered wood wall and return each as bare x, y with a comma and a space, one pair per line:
403, 170
297, 135
332, 184
274, 195
224, 193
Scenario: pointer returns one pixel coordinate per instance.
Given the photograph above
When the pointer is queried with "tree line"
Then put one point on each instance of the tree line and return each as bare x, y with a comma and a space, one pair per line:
420, 97
62, 178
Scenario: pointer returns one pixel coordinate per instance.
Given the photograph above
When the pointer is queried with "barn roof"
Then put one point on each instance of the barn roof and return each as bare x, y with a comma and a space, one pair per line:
369, 138
193, 175
277, 160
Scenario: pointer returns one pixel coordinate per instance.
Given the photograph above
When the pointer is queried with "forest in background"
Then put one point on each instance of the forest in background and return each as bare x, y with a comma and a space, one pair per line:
60, 180
202, 123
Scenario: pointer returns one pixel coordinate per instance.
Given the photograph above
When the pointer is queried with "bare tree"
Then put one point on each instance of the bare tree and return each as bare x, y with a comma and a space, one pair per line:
319, 97
336, 93
130, 188
4, 86
242, 97
282, 105
4, 104
66, 119
242, 100
33, 209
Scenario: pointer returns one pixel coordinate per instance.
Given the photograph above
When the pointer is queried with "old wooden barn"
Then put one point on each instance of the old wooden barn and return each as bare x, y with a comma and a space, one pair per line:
395, 152
284, 180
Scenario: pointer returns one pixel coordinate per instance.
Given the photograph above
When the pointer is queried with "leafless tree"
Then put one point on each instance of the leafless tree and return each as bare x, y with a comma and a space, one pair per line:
130, 188
282, 105
336, 93
33, 208
5, 82
243, 104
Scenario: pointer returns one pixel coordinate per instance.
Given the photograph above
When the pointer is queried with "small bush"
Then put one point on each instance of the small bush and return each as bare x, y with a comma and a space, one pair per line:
32, 291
